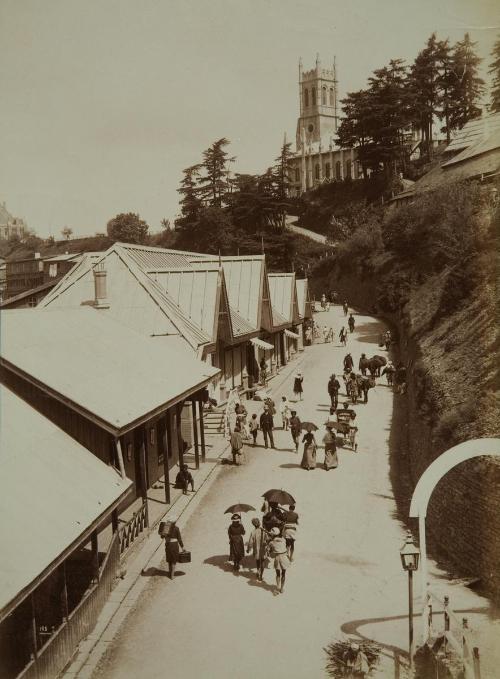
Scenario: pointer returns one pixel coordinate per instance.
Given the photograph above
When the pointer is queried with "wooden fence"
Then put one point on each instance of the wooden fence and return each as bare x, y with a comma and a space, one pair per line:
57, 652
134, 527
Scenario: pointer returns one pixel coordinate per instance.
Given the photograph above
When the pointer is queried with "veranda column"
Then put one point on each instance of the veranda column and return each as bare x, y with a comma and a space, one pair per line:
202, 430
195, 434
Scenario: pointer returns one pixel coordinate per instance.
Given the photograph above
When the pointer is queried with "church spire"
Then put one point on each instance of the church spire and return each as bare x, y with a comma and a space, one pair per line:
318, 62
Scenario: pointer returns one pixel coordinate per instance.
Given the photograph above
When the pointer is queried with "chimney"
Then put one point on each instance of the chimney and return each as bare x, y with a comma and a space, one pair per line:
100, 287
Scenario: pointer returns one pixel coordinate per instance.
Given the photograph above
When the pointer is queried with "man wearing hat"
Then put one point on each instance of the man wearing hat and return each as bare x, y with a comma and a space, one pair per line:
172, 535
236, 531
267, 424
333, 391
257, 544
295, 428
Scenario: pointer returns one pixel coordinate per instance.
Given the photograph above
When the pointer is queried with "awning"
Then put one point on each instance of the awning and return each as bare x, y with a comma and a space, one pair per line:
291, 334
260, 343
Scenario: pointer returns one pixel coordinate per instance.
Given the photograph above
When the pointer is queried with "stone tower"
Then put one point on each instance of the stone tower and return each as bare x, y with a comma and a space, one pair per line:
317, 122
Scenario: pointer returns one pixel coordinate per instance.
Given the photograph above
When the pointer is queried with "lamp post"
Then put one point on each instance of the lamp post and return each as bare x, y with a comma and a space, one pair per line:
410, 555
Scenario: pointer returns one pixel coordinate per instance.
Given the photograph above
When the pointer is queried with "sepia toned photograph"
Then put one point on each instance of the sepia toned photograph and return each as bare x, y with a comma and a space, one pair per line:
249, 339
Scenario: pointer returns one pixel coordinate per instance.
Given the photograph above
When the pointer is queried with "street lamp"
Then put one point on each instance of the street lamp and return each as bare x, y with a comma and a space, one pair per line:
410, 555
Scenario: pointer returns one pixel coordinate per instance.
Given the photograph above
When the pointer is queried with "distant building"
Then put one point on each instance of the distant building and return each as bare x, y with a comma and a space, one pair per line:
10, 226
318, 159
28, 280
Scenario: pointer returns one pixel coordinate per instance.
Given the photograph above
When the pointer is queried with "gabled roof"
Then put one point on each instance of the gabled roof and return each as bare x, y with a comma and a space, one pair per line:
474, 132
40, 464
148, 257
27, 293
136, 300
85, 359
303, 298
283, 298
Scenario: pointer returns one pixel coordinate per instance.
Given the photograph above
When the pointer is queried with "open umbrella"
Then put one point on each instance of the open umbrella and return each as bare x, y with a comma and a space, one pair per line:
309, 426
280, 496
239, 507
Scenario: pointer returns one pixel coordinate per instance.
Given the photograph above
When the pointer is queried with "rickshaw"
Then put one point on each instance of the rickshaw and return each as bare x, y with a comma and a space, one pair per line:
345, 428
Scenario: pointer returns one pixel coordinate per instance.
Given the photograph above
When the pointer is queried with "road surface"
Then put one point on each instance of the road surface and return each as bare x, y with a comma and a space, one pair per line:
318, 237
347, 573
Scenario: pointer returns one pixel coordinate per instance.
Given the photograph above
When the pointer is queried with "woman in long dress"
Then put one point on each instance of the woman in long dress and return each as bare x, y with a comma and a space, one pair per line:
297, 386
309, 456
330, 443
236, 531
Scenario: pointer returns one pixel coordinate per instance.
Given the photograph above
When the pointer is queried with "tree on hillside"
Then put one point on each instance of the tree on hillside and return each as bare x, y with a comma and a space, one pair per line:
67, 232
127, 228
213, 184
494, 70
212, 232
466, 87
354, 130
281, 175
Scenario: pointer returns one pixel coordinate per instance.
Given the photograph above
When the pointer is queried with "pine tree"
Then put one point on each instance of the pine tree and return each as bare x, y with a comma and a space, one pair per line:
466, 86
354, 130
214, 184
494, 70
190, 203
281, 179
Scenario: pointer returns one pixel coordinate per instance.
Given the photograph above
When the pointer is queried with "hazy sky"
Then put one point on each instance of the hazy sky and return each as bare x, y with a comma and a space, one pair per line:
104, 102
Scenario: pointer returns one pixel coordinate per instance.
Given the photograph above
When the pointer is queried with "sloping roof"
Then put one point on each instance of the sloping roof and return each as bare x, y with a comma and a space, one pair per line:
244, 276
148, 257
491, 142
283, 295
28, 293
66, 257
239, 325
136, 300
51, 491
303, 301
83, 357
473, 132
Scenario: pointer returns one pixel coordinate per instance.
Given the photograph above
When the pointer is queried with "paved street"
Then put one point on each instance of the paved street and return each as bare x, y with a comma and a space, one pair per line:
346, 576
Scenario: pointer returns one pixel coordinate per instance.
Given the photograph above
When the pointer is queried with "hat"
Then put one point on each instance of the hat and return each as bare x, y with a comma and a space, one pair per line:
256, 522
275, 531
173, 519
236, 517
294, 412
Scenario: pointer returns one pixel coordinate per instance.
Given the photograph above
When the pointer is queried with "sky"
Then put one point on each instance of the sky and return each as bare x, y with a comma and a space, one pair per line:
104, 102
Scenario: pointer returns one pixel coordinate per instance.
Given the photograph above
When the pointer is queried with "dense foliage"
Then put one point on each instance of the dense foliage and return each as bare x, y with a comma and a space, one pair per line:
127, 228
494, 71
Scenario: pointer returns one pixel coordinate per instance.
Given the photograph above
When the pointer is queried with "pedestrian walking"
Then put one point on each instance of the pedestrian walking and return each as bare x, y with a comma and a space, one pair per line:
389, 371
345, 306
351, 323
333, 391
309, 336
284, 408
363, 364
348, 363
278, 553
309, 455
254, 428
325, 334
170, 532
297, 386
236, 531
295, 429
237, 446
330, 443
343, 336
241, 418
267, 425
256, 544
263, 371
184, 479
274, 516
290, 530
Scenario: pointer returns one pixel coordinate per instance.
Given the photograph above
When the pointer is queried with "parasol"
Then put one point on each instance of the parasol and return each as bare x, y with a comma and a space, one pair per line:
239, 507
279, 496
309, 426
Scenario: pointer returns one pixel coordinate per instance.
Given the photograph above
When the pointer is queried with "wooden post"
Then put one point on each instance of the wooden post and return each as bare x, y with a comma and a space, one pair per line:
168, 447
64, 598
180, 441
114, 520
142, 465
119, 454
95, 555
202, 431
475, 663
34, 634
195, 434
465, 645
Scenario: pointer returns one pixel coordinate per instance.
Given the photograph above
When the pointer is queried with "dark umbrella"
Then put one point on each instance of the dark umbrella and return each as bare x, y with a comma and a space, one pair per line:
309, 426
281, 497
239, 507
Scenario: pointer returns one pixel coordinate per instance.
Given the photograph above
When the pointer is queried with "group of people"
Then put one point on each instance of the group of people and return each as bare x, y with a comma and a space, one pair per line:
272, 540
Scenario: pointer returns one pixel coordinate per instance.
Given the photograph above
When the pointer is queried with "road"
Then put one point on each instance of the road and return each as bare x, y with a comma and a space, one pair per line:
346, 576
318, 237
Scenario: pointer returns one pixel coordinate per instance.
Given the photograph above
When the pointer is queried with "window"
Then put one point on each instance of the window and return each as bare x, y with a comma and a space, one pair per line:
323, 96
316, 171
297, 174
310, 127
337, 170
327, 170
306, 97
52, 270
313, 96
332, 98
347, 168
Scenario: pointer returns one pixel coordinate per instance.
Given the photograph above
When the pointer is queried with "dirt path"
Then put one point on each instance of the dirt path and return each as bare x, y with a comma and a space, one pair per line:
347, 575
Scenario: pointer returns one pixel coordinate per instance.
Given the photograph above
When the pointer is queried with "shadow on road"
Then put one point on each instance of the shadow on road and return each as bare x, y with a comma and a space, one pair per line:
369, 332
290, 465
221, 561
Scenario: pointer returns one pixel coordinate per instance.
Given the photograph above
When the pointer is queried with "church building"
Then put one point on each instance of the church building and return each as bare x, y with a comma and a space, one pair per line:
318, 159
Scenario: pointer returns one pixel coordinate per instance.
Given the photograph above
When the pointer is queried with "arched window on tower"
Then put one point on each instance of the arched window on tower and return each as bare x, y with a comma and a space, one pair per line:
337, 170
316, 171
348, 169
313, 96
327, 170
306, 97
323, 96
297, 174
332, 99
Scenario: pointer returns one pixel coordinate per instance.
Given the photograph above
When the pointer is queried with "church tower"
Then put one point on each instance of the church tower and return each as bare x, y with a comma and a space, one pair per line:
317, 122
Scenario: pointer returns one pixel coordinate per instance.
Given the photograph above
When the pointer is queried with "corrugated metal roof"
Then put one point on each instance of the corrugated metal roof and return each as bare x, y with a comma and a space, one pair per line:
51, 490
282, 289
302, 287
149, 257
484, 145
239, 325
63, 258
85, 357
473, 132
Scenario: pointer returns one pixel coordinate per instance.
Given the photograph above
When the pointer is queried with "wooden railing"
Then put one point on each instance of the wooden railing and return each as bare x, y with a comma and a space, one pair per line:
57, 652
134, 527
455, 632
